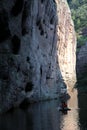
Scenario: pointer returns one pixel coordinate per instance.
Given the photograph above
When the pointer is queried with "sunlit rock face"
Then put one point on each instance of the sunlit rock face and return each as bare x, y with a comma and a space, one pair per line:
82, 60
66, 44
37, 50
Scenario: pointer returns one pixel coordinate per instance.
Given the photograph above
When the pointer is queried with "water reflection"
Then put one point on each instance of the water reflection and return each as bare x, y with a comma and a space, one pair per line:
39, 116
71, 120
43, 116
82, 100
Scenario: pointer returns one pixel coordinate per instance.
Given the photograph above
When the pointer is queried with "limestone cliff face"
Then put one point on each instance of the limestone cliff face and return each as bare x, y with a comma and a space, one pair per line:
37, 50
66, 44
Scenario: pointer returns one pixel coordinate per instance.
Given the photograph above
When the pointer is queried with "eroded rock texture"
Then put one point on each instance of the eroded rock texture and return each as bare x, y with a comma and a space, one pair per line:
66, 44
37, 50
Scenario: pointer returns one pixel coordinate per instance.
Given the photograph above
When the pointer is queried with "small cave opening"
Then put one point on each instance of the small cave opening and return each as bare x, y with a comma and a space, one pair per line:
17, 8
42, 32
24, 18
41, 70
38, 22
47, 77
27, 59
42, 1
43, 21
29, 87
4, 27
40, 26
54, 1
18, 69
51, 20
4, 75
15, 44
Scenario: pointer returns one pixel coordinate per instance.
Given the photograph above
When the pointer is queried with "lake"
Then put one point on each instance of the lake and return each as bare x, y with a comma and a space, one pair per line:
45, 115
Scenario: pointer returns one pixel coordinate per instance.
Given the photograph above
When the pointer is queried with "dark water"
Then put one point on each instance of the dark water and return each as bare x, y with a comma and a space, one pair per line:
45, 116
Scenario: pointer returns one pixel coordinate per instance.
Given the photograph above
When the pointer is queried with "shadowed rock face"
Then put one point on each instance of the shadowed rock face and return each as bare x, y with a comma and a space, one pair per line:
37, 50
4, 29
82, 61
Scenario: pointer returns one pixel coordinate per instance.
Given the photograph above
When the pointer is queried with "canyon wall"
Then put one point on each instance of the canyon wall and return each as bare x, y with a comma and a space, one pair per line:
66, 44
37, 50
82, 61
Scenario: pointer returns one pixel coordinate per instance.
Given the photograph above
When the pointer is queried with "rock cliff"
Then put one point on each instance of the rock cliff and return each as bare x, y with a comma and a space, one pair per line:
66, 44
37, 50
82, 61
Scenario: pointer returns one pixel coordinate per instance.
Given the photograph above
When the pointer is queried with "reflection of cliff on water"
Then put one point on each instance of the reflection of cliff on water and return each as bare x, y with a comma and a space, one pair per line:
39, 116
82, 103
43, 116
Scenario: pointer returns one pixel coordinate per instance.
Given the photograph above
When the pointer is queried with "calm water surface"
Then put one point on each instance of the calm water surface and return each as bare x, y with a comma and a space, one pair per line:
45, 116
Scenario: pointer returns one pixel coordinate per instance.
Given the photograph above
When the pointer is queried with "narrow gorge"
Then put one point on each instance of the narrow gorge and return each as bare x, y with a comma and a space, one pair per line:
37, 51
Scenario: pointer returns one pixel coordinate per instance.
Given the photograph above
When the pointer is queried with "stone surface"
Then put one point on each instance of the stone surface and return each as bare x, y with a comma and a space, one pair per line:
37, 50
66, 44
82, 60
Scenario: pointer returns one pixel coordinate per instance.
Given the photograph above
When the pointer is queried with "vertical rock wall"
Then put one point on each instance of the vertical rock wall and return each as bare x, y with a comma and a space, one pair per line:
66, 44
82, 61
37, 50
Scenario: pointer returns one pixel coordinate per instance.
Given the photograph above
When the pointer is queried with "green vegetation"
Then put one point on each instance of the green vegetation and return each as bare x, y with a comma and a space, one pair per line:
79, 15
81, 39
